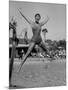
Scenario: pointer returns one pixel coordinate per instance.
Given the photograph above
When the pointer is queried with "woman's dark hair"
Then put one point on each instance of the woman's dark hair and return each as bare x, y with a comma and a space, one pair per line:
38, 15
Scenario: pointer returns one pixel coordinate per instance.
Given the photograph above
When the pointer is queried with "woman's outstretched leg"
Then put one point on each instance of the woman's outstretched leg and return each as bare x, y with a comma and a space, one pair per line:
43, 46
31, 46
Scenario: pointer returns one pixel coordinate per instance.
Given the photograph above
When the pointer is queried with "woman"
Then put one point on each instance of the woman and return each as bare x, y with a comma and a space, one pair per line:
36, 39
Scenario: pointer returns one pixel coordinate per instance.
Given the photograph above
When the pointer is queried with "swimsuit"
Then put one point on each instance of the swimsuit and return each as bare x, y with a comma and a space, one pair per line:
36, 29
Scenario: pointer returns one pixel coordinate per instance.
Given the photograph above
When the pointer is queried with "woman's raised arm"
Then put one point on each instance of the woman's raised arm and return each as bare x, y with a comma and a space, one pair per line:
45, 21
24, 17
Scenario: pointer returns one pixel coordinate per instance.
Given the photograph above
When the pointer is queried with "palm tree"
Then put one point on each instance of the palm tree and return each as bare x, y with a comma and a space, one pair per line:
12, 25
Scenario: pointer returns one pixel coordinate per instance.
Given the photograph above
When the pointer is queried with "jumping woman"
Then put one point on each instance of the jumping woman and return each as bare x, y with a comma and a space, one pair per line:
36, 38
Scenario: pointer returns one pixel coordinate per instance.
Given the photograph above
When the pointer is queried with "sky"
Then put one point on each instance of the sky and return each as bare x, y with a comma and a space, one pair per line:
56, 25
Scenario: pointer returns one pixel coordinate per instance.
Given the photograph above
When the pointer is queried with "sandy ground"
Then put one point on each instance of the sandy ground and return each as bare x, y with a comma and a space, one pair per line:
37, 73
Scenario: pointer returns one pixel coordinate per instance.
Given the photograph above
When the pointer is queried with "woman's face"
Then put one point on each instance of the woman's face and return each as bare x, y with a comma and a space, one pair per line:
37, 18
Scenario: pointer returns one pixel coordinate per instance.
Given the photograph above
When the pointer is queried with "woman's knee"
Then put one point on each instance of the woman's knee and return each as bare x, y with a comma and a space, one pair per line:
31, 46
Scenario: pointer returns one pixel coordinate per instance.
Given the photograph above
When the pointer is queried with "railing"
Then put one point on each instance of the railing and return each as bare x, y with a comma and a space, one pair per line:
20, 45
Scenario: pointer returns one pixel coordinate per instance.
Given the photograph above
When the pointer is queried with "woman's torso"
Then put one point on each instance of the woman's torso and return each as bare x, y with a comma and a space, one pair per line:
36, 29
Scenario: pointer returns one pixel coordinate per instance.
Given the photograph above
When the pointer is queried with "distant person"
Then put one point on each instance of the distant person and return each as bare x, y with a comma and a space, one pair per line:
36, 38
44, 31
21, 54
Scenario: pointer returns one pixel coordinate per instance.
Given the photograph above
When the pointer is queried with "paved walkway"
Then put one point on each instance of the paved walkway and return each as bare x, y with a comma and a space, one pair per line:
39, 73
